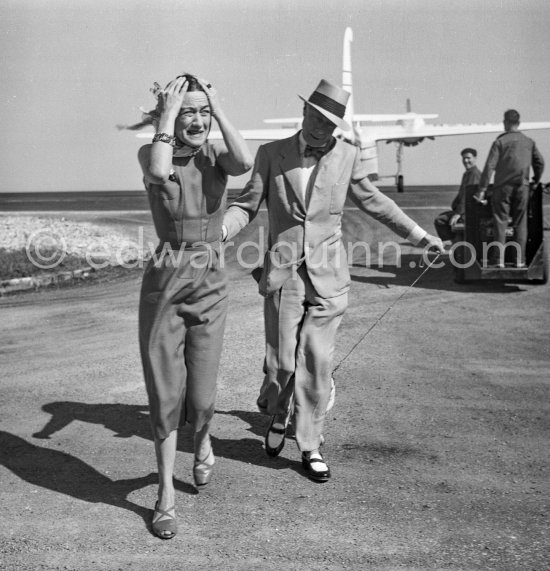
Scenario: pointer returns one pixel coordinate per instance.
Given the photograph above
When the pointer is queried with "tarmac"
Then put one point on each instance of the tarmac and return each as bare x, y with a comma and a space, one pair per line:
438, 441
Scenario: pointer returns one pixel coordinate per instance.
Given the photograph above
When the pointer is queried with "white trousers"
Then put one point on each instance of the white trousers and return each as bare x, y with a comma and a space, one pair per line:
300, 330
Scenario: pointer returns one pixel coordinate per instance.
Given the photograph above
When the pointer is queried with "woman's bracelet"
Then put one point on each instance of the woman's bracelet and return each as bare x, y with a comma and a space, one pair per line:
165, 138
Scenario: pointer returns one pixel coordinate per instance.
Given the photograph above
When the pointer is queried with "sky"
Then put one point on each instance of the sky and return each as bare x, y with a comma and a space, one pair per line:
73, 69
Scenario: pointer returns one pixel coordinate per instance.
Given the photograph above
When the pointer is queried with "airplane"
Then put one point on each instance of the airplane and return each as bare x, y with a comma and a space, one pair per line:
407, 129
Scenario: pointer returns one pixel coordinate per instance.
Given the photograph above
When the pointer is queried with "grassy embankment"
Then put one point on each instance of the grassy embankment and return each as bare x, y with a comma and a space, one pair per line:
36, 245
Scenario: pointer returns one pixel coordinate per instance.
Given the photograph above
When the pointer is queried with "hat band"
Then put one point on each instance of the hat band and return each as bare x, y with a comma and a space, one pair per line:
328, 104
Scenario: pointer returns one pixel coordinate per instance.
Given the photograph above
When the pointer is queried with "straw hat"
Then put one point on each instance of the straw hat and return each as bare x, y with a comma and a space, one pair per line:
331, 101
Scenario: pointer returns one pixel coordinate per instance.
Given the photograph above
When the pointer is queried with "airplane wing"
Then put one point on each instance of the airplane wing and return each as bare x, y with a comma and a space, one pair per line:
385, 117
356, 118
380, 132
264, 134
248, 134
291, 121
399, 132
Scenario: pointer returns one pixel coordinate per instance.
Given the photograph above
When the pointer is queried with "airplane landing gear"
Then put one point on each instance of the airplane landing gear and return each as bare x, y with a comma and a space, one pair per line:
399, 180
400, 183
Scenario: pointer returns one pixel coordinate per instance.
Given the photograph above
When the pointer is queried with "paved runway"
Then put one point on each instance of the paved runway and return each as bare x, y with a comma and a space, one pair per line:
132, 200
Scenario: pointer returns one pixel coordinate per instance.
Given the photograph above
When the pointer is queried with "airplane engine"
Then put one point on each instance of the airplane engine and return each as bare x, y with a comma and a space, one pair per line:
412, 142
408, 142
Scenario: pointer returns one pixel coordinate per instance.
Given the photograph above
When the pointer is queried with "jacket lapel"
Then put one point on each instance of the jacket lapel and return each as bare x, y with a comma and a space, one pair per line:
291, 167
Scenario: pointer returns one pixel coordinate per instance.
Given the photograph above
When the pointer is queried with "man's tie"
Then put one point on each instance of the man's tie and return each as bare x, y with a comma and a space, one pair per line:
318, 152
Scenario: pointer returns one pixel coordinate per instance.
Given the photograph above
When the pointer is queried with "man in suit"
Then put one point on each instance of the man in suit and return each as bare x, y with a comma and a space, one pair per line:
305, 180
445, 221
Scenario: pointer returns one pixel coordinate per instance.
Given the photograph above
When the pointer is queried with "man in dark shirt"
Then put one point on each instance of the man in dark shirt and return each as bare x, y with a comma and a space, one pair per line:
511, 157
444, 221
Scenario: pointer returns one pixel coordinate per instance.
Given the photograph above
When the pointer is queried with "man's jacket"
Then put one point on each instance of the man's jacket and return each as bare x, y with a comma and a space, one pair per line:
309, 231
511, 157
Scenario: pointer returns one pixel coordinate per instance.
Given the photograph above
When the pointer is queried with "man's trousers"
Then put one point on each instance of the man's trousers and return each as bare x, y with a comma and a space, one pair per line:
300, 330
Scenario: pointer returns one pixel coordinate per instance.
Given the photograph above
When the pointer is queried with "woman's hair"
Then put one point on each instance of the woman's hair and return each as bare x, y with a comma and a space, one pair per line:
152, 117
194, 84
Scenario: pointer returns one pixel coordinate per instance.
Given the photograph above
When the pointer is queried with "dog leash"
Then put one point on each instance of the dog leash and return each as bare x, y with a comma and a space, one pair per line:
379, 319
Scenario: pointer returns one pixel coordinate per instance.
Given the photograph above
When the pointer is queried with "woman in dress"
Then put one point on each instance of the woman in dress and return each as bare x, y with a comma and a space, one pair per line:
183, 299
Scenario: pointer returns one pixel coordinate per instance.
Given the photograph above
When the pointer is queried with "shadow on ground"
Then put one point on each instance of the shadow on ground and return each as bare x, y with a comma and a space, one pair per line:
126, 421
412, 269
63, 473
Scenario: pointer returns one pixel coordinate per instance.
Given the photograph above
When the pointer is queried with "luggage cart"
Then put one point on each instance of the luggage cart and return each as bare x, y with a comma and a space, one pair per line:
475, 231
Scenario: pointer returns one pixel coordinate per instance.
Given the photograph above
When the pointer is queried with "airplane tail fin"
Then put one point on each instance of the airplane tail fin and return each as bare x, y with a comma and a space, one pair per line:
347, 81
420, 115
369, 154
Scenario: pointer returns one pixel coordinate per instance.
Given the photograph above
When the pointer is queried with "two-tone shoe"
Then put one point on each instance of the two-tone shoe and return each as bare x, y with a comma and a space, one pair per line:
275, 438
311, 463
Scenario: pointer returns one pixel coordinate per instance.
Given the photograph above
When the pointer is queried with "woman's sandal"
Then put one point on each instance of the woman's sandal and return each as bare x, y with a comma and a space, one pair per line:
164, 524
202, 469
